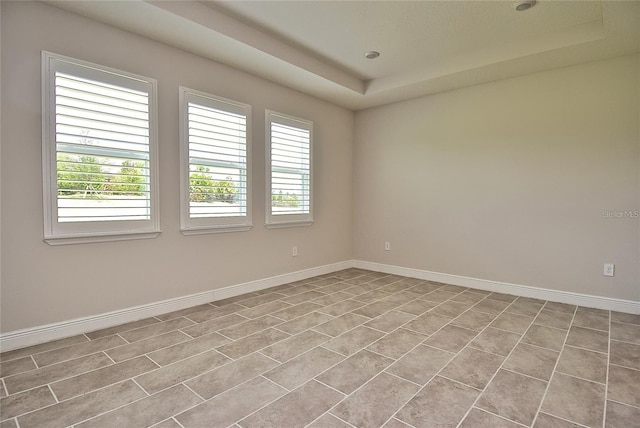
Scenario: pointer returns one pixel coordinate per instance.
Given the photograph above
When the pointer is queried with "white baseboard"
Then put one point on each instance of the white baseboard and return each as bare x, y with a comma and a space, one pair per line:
590, 301
40, 334
46, 333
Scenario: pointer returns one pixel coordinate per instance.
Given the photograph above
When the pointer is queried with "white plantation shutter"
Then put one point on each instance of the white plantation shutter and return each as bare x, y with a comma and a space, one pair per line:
214, 140
290, 167
99, 152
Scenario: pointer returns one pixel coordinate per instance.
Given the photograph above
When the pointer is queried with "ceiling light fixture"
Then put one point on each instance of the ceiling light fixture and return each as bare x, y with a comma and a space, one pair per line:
371, 54
523, 5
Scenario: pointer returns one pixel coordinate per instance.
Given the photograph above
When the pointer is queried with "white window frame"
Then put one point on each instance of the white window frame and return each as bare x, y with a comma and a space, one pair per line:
60, 233
287, 220
203, 225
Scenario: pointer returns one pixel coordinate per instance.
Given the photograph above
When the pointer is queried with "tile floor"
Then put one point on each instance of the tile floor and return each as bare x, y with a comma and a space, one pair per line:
350, 349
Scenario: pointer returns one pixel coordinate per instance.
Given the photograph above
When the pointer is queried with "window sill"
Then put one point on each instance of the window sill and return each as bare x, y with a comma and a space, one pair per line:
285, 224
112, 237
218, 229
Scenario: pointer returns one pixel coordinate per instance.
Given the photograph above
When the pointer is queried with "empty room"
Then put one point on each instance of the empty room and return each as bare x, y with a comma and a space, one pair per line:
320, 214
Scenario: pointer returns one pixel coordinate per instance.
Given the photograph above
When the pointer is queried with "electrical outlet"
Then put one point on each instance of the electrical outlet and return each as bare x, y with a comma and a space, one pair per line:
294, 251
609, 269
387, 246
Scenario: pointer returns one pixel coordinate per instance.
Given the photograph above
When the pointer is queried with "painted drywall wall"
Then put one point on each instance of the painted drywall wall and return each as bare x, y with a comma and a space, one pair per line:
42, 284
508, 181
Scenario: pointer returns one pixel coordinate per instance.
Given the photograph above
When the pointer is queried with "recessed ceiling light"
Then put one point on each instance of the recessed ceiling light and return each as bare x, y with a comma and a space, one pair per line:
371, 54
521, 6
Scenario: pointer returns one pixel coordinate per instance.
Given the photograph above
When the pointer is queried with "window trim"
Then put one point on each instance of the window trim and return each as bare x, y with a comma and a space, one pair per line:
61, 233
206, 225
273, 221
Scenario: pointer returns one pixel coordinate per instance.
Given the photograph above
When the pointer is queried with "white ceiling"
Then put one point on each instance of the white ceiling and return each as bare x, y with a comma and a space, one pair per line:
426, 47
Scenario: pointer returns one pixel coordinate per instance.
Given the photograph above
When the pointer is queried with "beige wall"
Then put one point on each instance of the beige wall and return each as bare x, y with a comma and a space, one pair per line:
43, 284
507, 181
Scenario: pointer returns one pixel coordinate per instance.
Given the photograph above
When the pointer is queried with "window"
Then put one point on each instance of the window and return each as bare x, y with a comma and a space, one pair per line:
99, 153
214, 153
289, 163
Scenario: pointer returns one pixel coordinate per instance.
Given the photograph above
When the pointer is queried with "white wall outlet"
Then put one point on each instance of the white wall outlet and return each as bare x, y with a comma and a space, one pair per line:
609, 269
294, 251
387, 246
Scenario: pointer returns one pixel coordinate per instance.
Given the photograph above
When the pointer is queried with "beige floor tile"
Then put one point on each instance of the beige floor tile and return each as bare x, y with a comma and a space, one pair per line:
547, 421
473, 320
27, 401
155, 329
265, 298
526, 307
232, 405
207, 327
19, 365
372, 296
495, 341
453, 288
232, 300
332, 298
395, 423
341, 308
125, 352
354, 340
86, 382
295, 345
354, 371
255, 342
586, 338
532, 361
428, 323
375, 402
480, 419
401, 298
55, 372
576, 400
36, 349
472, 367
397, 343
624, 385
438, 296
582, 363
147, 411
592, 318
502, 297
303, 297
424, 288
468, 297
329, 421
625, 318
228, 376
625, 354
560, 307
513, 322
417, 307
390, 321
266, 309
339, 325
175, 373
490, 306
248, 328
621, 416
451, 338
513, 396
215, 312
305, 322
9, 423
625, 332
450, 308
296, 409
77, 350
295, 311
375, 309
545, 337
187, 349
84, 407
441, 403
168, 423
304, 367
554, 319
421, 364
